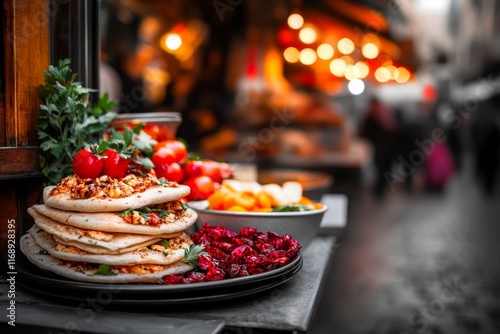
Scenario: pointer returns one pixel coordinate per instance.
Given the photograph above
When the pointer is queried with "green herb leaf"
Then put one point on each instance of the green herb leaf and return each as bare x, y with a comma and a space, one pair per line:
126, 212
165, 243
191, 254
67, 121
104, 269
291, 208
184, 206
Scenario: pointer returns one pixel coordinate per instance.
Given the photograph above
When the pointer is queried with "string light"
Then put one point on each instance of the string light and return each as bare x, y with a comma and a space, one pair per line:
173, 41
325, 51
308, 35
291, 54
345, 45
295, 21
307, 56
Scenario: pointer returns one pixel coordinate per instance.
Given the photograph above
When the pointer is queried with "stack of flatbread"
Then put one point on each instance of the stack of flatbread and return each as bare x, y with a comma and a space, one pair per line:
111, 231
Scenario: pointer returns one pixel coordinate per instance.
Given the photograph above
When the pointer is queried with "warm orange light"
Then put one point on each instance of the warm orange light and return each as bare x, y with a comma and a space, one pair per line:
345, 45
382, 74
370, 51
291, 55
295, 21
348, 60
362, 68
351, 72
392, 71
384, 60
337, 67
401, 75
307, 56
308, 35
173, 41
325, 51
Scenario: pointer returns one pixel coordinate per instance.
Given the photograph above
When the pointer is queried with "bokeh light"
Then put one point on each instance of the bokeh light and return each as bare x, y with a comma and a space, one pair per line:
337, 67
307, 56
291, 54
369, 51
356, 86
173, 41
351, 72
392, 71
345, 45
401, 75
295, 21
363, 69
382, 74
325, 51
308, 35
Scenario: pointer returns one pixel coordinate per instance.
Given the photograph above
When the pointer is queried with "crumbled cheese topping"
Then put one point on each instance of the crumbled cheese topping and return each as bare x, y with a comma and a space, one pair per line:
107, 187
155, 215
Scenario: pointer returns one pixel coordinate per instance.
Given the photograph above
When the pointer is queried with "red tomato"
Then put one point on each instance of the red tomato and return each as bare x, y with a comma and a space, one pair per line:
193, 168
114, 164
211, 169
201, 187
225, 170
171, 172
86, 164
175, 145
164, 156
152, 130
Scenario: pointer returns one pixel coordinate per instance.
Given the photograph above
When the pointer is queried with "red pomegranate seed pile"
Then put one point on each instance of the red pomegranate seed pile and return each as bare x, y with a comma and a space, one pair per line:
228, 254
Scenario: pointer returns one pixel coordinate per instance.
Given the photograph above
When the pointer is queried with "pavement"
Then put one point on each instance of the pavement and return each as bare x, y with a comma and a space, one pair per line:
415, 261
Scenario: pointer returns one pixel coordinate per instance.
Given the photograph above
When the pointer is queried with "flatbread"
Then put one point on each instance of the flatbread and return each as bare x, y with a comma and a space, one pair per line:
86, 272
95, 241
150, 196
146, 255
112, 222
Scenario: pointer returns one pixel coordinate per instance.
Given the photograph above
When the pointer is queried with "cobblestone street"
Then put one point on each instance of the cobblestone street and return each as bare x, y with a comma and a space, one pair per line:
417, 262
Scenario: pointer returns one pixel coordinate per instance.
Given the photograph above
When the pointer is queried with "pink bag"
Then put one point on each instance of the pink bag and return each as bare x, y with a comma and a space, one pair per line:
439, 167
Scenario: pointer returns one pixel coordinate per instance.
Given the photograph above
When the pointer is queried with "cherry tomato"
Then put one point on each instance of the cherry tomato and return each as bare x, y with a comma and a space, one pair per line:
201, 187
212, 169
152, 130
86, 164
225, 170
164, 156
171, 172
175, 145
193, 168
114, 164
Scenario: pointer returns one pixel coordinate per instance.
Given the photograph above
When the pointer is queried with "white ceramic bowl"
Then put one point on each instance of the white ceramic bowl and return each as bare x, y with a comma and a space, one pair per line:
303, 226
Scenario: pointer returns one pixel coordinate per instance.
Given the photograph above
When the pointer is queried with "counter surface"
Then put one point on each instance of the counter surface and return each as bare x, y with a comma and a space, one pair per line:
289, 307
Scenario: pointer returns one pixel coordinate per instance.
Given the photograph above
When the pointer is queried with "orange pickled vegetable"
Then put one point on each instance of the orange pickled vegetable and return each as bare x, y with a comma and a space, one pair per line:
230, 199
264, 201
245, 200
237, 208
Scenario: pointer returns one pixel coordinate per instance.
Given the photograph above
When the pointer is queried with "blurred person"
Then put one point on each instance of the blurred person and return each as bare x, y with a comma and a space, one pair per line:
379, 128
485, 130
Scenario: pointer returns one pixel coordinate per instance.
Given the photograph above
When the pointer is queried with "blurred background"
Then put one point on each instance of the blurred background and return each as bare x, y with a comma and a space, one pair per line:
396, 100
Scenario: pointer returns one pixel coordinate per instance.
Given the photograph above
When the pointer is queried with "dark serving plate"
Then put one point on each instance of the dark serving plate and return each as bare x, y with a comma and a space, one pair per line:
49, 284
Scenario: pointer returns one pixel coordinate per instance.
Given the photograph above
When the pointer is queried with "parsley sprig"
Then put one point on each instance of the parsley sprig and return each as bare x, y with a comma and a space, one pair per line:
191, 254
104, 269
67, 122
145, 212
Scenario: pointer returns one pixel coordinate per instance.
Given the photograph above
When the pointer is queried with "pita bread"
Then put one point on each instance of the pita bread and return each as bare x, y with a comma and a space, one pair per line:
95, 241
155, 195
154, 254
87, 272
112, 222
